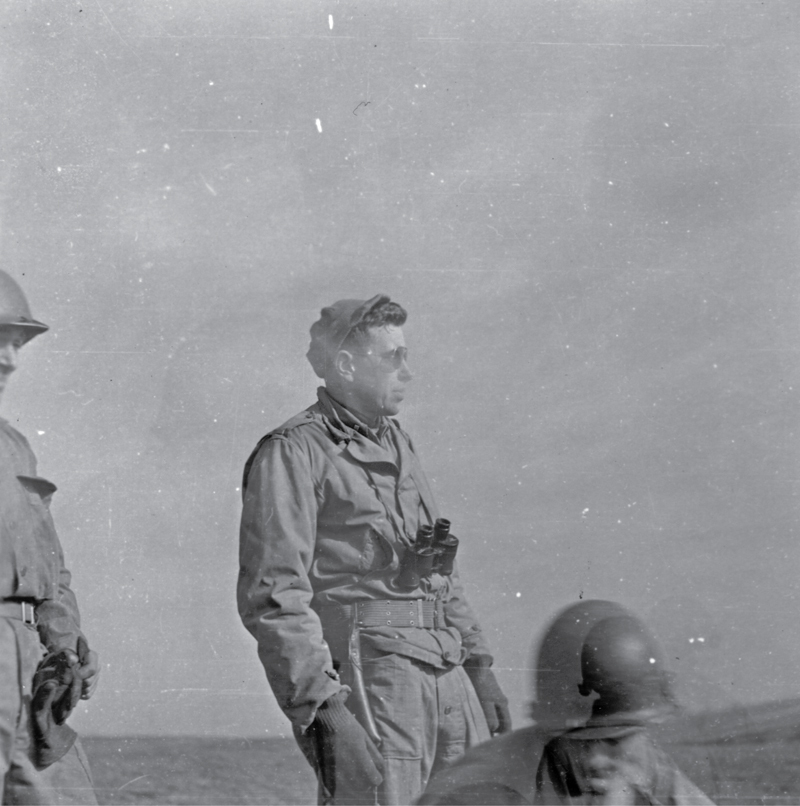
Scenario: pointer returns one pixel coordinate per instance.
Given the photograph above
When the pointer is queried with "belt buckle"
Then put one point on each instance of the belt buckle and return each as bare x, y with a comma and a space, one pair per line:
420, 614
28, 613
438, 613
358, 615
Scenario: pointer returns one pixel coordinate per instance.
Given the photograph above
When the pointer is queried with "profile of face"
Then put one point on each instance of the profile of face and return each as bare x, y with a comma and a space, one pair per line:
374, 373
11, 341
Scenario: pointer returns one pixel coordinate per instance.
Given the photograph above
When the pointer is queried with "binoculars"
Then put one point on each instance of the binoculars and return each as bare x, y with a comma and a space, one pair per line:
433, 552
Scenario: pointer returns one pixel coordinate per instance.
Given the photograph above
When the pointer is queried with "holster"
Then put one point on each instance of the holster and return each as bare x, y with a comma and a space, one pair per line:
343, 636
360, 704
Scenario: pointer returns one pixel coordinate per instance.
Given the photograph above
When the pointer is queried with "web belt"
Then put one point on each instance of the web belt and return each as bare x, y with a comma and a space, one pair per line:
392, 613
14, 608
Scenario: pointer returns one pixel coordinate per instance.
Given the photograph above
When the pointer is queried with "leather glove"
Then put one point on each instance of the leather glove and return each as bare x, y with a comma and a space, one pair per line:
89, 669
342, 752
56, 690
492, 699
58, 680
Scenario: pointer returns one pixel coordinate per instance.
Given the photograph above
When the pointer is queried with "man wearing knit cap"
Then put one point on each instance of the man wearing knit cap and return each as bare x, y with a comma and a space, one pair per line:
46, 666
362, 626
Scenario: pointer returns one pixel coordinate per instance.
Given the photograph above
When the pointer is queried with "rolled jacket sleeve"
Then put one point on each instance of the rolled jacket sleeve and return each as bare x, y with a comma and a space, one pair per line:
277, 541
58, 618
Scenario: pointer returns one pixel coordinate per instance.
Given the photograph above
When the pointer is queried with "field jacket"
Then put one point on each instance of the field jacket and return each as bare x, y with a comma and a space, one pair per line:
31, 558
565, 769
329, 508
534, 767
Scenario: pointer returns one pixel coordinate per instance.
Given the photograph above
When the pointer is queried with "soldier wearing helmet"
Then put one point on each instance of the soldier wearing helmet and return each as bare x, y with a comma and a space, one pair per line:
601, 685
45, 663
612, 758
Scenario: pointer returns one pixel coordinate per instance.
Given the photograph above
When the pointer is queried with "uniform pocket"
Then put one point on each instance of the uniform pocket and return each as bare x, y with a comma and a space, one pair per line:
396, 691
377, 554
355, 551
39, 490
36, 555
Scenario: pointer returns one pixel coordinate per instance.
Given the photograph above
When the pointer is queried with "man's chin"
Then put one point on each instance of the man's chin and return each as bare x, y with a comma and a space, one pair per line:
391, 409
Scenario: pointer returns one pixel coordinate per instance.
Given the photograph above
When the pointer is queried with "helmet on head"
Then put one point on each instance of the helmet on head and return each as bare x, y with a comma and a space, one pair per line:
622, 662
557, 664
14, 310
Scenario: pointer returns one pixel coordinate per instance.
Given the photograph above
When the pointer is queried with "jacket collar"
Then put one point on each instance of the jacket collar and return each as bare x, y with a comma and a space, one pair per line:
346, 422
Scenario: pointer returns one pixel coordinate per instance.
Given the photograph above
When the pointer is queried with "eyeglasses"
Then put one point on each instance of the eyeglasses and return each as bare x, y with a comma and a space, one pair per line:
391, 361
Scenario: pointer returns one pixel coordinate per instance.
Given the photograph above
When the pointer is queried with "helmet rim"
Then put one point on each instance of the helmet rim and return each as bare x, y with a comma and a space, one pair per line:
14, 308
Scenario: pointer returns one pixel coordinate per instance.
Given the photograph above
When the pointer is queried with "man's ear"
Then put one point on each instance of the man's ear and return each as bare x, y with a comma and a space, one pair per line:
343, 365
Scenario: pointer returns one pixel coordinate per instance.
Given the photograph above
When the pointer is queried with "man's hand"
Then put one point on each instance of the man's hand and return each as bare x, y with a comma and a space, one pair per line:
346, 757
89, 669
492, 699
56, 688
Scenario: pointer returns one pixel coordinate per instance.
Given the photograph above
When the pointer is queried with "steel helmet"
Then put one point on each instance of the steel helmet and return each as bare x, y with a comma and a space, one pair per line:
557, 703
14, 308
622, 662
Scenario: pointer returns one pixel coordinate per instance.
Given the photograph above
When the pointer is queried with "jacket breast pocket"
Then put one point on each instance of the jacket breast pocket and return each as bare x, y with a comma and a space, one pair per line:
36, 554
378, 553
39, 490
353, 551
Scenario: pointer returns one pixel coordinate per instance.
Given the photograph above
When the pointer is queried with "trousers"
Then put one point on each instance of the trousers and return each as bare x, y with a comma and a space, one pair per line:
426, 716
69, 780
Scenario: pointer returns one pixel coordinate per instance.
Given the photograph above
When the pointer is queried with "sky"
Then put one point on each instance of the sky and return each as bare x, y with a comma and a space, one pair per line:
589, 210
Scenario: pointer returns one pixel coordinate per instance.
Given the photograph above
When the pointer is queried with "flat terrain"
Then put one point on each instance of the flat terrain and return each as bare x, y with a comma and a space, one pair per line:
168, 770
743, 772
187, 770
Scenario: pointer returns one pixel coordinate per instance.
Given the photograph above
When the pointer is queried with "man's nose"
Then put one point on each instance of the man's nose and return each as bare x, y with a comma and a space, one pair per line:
405, 373
8, 357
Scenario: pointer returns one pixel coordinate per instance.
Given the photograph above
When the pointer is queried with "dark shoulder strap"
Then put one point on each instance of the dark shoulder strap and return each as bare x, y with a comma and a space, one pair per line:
303, 418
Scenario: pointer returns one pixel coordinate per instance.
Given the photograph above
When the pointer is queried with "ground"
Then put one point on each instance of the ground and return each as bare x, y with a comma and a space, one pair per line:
186, 770
178, 770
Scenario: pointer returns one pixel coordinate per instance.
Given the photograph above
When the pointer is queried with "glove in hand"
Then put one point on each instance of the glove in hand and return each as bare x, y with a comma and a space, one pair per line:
492, 699
341, 751
56, 690
88, 670
57, 681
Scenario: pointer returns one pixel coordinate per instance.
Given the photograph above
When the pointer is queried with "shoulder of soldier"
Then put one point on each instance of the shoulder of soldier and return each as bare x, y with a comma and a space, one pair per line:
287, 431
307, 417
17, 440
670, 783
12, 432
508, 762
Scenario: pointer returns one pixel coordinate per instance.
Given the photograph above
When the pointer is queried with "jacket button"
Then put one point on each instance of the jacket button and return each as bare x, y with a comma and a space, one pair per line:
448, 709
23, 570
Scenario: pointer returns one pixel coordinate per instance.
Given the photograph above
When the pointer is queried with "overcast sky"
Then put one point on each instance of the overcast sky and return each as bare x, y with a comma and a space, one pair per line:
590, 211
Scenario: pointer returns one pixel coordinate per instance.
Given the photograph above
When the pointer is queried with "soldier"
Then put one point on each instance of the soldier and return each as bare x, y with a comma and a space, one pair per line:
593, 648
45, 663
612, 758
362, 626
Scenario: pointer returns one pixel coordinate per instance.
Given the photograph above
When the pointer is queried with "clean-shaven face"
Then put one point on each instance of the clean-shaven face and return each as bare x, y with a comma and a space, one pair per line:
11, 341
381, 372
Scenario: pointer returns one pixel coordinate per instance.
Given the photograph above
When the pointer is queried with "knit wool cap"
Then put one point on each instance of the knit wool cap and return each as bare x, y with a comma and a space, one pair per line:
335, 324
